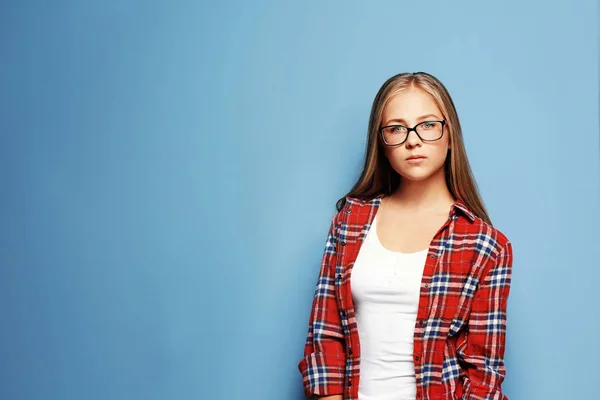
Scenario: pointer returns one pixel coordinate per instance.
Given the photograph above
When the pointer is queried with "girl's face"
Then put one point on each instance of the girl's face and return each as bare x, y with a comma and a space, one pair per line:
408, 108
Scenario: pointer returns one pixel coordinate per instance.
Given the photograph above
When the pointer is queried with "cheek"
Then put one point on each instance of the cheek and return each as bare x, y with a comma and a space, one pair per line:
391, 153
394, 156
441, 153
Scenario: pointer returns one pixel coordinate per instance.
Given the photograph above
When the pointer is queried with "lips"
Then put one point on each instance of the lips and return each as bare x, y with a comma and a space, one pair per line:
415, 157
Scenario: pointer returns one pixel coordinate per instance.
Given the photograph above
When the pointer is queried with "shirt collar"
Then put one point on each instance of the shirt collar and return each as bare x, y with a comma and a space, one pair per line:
461, 206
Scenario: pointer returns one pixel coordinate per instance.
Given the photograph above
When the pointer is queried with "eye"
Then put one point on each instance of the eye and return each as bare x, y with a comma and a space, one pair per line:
398, 129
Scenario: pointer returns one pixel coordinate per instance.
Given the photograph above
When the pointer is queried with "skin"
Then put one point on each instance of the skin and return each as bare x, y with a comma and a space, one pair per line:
422, 202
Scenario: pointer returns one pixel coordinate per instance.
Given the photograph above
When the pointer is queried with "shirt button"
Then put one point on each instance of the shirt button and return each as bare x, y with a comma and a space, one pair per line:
420, 322
419, 394
417, 358
343, 242
350, 351
348, 211
339, 276
432, 256
349, 383
426, 285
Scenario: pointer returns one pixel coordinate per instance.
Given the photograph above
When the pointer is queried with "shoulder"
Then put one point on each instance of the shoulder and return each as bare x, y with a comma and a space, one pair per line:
354, 205
487, 239
354, 214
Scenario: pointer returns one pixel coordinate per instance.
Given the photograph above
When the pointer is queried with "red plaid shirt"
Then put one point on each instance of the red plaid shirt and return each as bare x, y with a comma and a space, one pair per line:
459, 336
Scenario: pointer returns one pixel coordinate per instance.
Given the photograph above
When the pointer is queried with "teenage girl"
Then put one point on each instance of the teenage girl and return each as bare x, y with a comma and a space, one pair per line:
411, 298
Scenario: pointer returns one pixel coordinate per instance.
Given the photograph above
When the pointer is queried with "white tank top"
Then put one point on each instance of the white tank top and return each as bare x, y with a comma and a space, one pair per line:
385, 291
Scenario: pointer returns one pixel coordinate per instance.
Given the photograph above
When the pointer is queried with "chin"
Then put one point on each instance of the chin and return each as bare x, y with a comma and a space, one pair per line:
416, 178
417, 175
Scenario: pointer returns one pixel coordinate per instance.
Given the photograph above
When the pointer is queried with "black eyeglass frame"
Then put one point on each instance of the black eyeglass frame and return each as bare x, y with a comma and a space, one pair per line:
414, 128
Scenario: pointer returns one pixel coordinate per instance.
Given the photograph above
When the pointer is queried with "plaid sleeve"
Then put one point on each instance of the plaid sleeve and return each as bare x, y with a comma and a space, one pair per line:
322, 366
481, 346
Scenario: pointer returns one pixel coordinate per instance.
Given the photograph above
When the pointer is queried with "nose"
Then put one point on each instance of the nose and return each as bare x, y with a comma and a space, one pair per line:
412, 139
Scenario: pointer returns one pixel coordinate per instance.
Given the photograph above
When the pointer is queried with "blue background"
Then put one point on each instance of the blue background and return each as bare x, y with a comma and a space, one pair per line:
169, 171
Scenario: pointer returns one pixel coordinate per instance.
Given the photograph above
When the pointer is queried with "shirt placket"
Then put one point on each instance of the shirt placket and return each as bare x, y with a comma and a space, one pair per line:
345, 310
348, 252
433, 257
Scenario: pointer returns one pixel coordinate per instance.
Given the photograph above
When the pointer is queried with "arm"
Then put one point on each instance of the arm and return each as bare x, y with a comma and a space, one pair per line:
324, 359
480, 348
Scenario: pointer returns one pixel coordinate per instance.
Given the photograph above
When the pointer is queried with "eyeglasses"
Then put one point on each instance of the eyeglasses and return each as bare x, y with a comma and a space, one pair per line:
427, 131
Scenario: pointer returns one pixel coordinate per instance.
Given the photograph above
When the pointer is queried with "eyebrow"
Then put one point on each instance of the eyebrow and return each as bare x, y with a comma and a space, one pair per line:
418, 119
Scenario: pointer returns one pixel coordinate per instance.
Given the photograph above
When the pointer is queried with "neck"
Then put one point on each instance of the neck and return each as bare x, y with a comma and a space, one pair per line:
423, 195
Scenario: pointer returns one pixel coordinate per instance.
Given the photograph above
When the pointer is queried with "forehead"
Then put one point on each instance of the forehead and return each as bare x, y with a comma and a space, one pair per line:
410, 104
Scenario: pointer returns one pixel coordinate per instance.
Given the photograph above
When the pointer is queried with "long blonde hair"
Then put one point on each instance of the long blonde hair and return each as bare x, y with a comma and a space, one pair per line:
379, 177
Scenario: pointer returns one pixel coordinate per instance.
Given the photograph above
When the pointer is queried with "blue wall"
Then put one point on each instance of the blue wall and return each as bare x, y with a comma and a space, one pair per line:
169, 171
